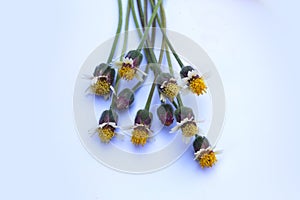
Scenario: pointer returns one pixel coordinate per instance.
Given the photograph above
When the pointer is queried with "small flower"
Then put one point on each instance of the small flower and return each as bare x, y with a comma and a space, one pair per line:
140, 135
130, 65
165, 114
185, 122
204, 153
193, 80
107, 125
168, 86
102, 80
141, 129
124, 99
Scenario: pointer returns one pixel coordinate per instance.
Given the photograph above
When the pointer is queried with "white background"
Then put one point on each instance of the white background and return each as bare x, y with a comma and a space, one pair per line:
255, 47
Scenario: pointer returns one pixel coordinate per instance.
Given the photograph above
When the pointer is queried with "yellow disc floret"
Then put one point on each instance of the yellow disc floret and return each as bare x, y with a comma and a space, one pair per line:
197, 85
189, 129
101, 87
171, 90
139, 136
208, 159
127, 72
106, 133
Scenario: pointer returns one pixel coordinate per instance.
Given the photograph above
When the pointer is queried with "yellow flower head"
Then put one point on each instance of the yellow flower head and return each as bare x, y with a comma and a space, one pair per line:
197, 85
189, 129
170, 89
106, 133
127, 71
208, 159
140, 136
100, 86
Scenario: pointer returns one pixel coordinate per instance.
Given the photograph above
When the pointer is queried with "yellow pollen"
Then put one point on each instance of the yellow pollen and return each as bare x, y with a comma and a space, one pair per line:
127, 72
197, 85
171, 90
208, 159
189, 129
101, 87
139, 136
106, 133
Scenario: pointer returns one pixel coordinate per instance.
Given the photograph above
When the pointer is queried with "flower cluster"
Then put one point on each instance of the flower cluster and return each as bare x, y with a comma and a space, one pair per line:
169, 88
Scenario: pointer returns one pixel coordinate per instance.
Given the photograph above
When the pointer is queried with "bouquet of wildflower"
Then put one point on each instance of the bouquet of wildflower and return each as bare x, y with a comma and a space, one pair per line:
107, 77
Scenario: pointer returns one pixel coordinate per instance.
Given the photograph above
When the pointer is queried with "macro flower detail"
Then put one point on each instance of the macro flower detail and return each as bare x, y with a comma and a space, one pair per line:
129, 67
168, 87
141, 129
165, 114
102, 80
107, 125
194, 82
186, 122
124, 99
204, 153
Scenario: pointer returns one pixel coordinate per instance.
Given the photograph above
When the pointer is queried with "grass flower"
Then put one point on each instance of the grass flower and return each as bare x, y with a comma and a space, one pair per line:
168, 87
204, 153
194, 82
129, 67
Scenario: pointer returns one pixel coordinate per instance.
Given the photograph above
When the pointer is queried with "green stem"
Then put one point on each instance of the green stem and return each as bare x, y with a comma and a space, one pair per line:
135, 19
153, 34
167, 39
145, 11
113, 49
148, 103
142, 18
123, 49
148, 25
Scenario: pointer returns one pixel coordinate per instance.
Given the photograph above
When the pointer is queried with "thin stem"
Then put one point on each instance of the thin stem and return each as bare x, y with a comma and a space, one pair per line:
139, 4
147, 106
153, 34
148, 25
167, 39
145, 11
179, 101
113, 49
135, 19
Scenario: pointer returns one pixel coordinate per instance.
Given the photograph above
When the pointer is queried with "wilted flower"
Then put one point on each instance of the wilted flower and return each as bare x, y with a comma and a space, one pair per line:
186, 122
102, 80
141, 128
193, 80
204, 153
165, 114
168, 86
130, 65
124, 99
107, 125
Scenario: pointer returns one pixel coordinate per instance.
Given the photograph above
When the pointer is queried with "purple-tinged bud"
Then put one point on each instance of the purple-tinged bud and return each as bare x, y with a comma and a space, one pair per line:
183, 112
165, 114
124, 99
143, 117
108, 116
106, 71
200, 142
136, 57
185, 70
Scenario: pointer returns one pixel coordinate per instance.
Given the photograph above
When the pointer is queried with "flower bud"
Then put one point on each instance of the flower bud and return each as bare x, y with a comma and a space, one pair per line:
200, 142
165, 114
183, 112
143, 117
136, 56
185, 70
108, 116
124, 99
